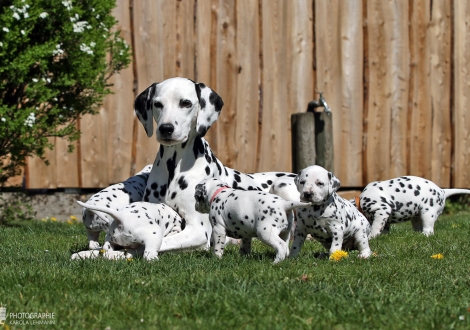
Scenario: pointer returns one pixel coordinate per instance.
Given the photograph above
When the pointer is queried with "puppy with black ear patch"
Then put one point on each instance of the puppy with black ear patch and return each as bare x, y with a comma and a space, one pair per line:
333, 221
246, 214
140, 225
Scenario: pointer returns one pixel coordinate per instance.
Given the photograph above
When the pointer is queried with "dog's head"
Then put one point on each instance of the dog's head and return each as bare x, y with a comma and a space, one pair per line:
316, 184
200, 195
181, 108
204, 193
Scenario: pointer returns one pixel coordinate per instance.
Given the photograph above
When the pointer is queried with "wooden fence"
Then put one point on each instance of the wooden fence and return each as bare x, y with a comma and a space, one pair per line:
396, 75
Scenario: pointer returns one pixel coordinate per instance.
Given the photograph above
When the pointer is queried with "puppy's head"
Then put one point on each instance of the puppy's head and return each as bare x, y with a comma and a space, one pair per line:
200, 195
181, 108
316, 185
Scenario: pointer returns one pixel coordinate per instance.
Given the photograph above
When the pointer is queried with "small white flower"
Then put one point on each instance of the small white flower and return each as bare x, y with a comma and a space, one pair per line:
67, 4
22, 32
86, 49
26, 15
48, 80
3, 119
6, 29
55, 99
35, 80
1, 44
30, 120
43, 15
92, 44
15, 15
97, 16
461, 318
80, 26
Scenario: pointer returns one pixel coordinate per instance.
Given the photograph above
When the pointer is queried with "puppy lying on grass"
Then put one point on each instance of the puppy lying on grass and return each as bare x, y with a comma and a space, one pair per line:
246, 214
140, 226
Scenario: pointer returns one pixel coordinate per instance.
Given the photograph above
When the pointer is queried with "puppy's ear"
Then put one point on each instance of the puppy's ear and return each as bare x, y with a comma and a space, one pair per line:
210, 106
297, 180
199, 191
333, 183
143, 108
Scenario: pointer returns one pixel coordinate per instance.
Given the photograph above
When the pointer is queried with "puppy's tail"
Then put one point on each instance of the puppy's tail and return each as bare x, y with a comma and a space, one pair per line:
451, 192
290, 205
116, 215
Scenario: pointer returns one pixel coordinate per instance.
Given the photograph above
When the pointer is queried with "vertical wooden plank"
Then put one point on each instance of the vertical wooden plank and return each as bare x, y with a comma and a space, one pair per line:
461, 173
275, 149
388, 69
339, 58
38, 174
120, 108
247, 96
300, 79
205, 48
226, 83
420, 111
440, 59
93, 146
149, 45
185, 38
67, 174
203, 41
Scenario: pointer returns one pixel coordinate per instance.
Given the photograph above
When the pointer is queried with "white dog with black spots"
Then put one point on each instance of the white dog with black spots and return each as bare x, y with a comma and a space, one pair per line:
333, 221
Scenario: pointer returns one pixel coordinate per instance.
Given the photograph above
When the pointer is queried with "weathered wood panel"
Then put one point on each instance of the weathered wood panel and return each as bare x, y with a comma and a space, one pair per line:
388, 69
38, 174
225, 83
339, 59
119, 107
246, 120
461, 174
275, 149
440, 59
148, 46
419, 116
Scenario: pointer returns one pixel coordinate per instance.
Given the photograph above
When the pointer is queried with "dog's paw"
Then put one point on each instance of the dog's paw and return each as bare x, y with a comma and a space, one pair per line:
91, 254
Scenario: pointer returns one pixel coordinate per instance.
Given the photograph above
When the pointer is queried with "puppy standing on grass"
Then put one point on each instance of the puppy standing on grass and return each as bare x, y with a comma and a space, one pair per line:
246, 214
139, 226
332, 220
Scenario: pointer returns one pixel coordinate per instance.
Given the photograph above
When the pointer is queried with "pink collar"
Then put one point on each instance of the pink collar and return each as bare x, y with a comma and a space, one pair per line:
218, 191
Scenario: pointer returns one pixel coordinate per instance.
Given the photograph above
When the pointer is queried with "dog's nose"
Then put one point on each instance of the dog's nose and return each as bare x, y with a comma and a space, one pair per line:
166, 129
307, 195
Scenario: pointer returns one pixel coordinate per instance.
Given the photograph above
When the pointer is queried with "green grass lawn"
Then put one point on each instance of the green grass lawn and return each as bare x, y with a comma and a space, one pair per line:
401, 287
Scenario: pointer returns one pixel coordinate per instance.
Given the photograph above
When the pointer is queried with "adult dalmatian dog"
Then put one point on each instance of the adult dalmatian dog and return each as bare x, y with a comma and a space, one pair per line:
183, 111
402, 199
332, 220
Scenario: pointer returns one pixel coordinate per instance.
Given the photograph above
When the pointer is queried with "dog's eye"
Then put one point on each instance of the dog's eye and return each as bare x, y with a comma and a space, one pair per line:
302, 182
185, 104
320, 184
158, 105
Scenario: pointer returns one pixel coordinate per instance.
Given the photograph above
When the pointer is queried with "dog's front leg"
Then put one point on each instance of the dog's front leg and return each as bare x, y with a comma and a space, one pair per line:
299, 238
93, 237
195, 235
337, 240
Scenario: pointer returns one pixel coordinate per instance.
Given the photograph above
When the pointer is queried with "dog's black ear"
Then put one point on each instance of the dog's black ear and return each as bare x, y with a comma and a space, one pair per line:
199, 191
333, 183
297, 179
210, 106
143, 108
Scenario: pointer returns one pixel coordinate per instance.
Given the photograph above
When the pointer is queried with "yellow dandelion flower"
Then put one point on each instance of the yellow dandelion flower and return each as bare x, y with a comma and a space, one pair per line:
102, 251
69, 222
44, 220
73, 218
53, 219
130, 259
437, 256
454, 225
338, 255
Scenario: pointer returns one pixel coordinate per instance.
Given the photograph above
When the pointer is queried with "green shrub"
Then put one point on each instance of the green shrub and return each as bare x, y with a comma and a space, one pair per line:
56, 58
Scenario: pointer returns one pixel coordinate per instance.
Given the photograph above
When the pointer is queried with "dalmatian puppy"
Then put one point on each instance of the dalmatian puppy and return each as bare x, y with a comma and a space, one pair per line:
183, 111
402, 199
139, 225
115, 196
333, 221
246, 214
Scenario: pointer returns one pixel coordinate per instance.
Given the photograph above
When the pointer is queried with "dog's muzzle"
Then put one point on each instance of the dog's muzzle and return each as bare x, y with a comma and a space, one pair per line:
166, 131
312, 198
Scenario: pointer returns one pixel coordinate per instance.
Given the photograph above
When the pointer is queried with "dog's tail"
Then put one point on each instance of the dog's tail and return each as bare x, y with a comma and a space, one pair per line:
99, 209
290, 205
451, 192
